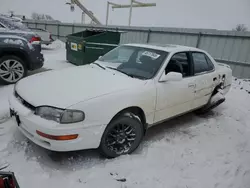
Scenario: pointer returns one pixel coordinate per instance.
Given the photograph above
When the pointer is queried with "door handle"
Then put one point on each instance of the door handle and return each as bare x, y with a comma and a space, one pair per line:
191, 85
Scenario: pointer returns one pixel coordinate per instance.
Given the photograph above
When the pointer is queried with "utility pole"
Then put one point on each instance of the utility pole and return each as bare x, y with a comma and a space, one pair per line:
130, 12
84, 9
107, 13
133, 3
83, 18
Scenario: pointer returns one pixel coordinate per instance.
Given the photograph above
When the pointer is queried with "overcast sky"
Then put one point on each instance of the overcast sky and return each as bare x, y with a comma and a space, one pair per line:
218, 14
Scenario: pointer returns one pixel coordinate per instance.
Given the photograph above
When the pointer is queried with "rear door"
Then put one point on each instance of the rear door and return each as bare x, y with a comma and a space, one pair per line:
205, 77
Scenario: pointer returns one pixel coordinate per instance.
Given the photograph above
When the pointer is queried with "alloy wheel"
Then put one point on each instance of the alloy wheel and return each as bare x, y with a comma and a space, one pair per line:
120, 138
11, 70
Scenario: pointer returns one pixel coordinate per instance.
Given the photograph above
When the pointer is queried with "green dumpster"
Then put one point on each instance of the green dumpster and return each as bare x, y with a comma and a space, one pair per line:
86, 46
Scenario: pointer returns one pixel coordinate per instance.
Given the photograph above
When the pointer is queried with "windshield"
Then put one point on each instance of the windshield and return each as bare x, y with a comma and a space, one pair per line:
13, 24
135, 61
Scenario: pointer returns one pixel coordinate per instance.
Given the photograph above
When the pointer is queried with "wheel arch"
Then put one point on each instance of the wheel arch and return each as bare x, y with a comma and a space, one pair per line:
15, 52
216, 88
136, 111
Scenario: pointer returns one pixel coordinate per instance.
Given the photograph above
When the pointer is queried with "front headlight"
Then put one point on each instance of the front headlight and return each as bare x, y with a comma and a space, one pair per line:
72, 116
60, 115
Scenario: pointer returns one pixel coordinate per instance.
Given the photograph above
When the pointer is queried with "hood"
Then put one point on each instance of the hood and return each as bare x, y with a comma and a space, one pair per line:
66, 87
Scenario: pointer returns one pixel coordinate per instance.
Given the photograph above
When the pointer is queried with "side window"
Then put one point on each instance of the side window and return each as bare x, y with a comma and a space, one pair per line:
201, 63
179, 63
210, 64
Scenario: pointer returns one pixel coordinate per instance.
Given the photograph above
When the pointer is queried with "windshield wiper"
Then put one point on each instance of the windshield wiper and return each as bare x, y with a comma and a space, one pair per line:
99, 65
121, 71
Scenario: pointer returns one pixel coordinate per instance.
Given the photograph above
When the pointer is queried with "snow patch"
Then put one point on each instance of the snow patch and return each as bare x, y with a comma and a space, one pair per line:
11, 41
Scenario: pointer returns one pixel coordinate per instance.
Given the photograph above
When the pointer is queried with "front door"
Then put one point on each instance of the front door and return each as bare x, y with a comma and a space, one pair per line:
175, 97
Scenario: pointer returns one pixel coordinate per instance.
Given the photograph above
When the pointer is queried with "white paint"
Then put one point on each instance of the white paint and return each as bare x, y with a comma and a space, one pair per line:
173, 98
101, 94
95, 83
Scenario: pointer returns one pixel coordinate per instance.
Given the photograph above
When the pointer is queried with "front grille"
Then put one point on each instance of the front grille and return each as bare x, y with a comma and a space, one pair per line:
25, 103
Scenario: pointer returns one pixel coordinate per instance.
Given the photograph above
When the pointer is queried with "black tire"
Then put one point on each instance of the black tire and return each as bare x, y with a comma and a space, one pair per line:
126, 121
19, 61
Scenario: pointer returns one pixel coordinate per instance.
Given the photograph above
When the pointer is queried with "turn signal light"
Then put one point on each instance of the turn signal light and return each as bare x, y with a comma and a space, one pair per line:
61, 137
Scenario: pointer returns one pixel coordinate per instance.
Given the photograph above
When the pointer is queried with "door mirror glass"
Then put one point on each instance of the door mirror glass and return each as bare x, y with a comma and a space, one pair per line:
171, 76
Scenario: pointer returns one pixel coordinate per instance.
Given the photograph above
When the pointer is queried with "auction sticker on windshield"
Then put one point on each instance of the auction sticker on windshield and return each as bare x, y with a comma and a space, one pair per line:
153, 55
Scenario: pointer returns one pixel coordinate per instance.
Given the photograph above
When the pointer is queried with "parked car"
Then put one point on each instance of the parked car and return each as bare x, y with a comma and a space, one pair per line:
17, 56
8, 180
109, 104
45, 35
12, 26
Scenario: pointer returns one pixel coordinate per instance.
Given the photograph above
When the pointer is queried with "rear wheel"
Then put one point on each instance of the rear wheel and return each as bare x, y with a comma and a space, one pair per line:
12, 69
122, 136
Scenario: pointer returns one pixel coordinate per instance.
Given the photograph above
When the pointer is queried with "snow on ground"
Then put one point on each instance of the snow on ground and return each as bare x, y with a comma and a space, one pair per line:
55, 55
210, 151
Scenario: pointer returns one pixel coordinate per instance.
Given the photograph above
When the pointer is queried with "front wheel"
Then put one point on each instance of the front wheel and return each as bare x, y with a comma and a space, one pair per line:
122, 136
12, 69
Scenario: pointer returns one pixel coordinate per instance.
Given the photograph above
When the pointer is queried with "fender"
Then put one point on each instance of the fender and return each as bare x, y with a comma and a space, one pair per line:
14, 50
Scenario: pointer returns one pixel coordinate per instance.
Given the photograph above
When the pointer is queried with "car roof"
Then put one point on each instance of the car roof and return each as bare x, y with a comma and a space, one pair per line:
166, 47
13, 24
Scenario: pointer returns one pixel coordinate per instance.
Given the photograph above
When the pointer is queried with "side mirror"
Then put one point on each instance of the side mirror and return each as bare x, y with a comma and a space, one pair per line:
171, 76
99, 57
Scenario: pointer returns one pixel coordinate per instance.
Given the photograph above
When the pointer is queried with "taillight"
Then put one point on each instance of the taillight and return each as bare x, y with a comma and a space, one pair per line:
35, 39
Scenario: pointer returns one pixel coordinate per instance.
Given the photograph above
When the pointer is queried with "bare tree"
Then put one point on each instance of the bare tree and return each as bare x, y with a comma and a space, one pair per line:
37, 16
240, 27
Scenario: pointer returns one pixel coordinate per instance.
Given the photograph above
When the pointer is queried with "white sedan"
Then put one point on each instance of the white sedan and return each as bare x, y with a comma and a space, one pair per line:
110, 103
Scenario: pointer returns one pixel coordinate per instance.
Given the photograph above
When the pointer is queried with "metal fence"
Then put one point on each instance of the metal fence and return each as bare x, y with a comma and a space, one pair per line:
229, 47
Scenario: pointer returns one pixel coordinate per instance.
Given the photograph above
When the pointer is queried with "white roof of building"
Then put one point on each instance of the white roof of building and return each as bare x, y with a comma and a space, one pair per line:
167, 47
